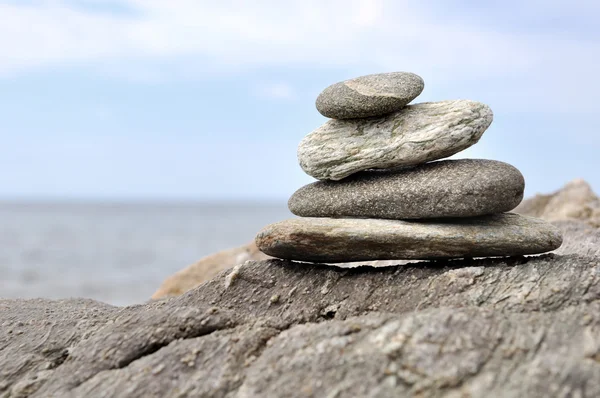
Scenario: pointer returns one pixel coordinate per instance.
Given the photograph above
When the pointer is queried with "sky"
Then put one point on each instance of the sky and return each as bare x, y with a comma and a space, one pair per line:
208, 100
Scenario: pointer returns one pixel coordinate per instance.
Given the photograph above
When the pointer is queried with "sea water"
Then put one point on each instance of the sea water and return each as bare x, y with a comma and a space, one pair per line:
118, 253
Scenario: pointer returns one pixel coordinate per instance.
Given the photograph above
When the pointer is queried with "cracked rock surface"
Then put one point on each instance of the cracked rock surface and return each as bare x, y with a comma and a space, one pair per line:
519, 326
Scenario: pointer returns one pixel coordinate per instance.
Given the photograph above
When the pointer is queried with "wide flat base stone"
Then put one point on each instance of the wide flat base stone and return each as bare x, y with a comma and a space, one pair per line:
333, 240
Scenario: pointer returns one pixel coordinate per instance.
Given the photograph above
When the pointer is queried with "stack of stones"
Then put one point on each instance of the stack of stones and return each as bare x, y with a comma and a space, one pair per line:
383, 197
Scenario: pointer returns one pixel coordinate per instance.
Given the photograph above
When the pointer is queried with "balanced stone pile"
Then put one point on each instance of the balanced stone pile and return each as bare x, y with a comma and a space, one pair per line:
383, 197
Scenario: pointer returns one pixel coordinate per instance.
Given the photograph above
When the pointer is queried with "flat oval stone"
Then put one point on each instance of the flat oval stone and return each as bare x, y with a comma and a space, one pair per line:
334, 240
371, 95
447, 188
416, 134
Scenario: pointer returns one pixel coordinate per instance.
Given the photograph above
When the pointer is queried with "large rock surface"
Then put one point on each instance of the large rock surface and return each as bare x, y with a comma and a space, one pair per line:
575, 201
447, 188
208, 267
416, 134
525, 326
479, 328
339, 240
370, 95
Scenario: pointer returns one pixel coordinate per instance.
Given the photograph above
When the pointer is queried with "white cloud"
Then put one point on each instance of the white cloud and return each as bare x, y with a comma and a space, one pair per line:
192, 38
335, 32
281, 91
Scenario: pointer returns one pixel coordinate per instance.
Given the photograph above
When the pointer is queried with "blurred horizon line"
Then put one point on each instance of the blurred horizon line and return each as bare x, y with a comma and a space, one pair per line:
99, 200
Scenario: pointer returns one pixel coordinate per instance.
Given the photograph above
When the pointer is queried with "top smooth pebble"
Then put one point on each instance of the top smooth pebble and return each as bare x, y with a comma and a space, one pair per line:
370, 95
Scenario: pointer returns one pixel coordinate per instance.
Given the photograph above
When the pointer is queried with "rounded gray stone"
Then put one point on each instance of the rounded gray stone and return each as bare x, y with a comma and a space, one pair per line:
370, 95
447, 188
416, 134
333, 240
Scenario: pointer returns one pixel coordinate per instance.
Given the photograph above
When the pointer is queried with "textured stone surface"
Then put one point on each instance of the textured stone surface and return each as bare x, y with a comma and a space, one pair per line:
575, 201
208, 267
36, 336
507, 327
371, 95
416, 134
343, 240
448, 188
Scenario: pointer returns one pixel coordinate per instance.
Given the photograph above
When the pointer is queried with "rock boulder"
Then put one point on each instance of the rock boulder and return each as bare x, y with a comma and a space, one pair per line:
520, 326
575, 201
206, 268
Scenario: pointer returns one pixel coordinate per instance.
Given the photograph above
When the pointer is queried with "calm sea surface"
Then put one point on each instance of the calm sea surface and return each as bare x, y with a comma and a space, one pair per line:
116, 253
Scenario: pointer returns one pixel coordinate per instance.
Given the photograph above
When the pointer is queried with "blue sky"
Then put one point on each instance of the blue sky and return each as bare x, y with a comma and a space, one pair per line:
190, 99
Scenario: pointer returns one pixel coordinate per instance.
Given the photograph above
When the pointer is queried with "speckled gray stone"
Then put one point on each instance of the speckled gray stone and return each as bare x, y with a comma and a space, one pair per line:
416, 134
335, 240
371, 95
447, 188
